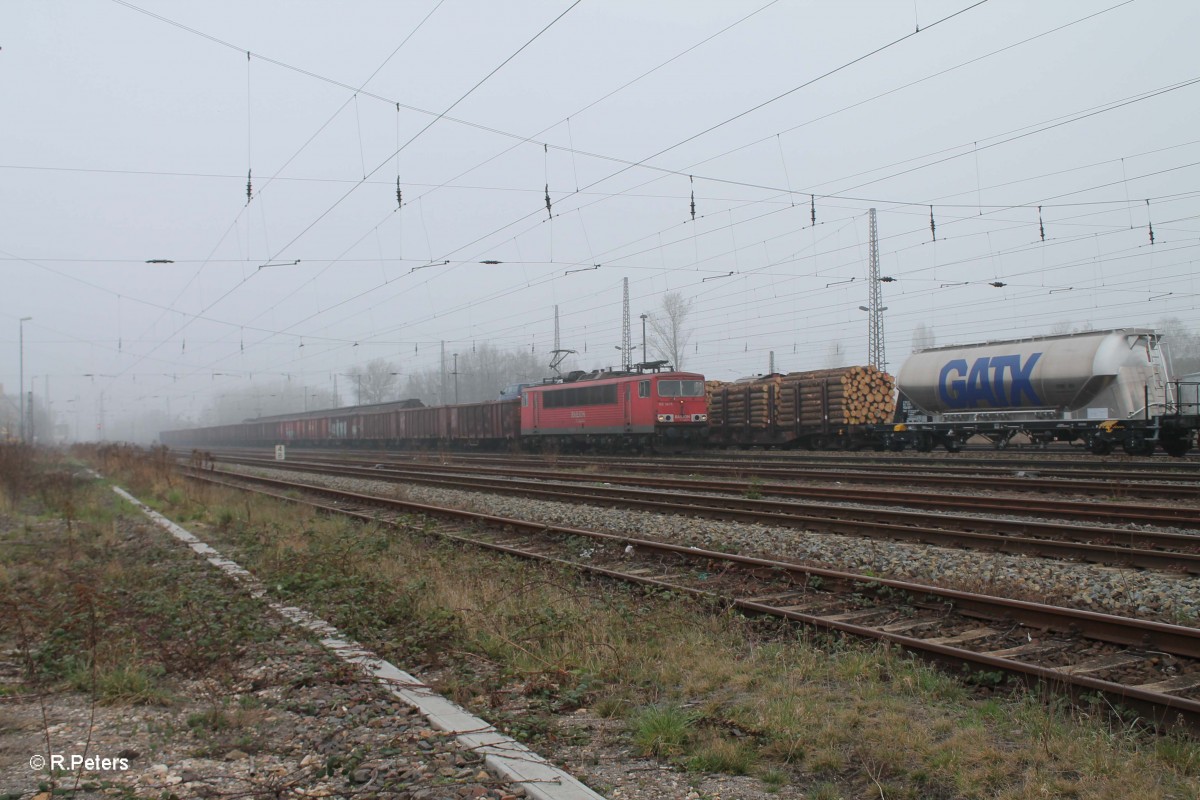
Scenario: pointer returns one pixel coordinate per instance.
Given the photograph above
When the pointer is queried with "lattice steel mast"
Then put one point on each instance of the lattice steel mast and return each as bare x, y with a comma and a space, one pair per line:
626, 335
875, 353
558, 353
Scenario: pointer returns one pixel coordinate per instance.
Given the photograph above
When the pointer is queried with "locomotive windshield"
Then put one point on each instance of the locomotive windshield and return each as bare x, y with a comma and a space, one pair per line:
681, 388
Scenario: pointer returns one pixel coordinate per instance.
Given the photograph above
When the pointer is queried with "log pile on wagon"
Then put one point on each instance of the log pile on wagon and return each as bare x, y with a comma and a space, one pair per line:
844, 396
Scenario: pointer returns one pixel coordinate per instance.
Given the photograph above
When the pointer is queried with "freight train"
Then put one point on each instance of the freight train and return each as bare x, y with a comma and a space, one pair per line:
608, 410
1105, 389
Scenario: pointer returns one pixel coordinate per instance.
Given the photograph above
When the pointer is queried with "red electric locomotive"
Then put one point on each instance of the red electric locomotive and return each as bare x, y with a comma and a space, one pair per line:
616, 410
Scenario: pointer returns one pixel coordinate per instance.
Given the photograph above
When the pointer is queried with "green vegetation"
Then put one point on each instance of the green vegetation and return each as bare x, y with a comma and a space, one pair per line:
86, 608
697, 685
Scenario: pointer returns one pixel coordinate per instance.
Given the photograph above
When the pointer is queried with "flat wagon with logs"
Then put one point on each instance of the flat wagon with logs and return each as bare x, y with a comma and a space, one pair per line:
820, 409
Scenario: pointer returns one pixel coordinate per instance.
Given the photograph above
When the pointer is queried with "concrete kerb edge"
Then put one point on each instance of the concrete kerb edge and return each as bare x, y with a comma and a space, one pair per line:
507, 757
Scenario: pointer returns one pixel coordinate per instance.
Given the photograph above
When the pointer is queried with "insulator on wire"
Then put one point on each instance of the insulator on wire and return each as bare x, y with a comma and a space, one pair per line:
1041, 226
932, 224
692, 181
399, 194
812, 207
549, 213
1149, 224
249, 187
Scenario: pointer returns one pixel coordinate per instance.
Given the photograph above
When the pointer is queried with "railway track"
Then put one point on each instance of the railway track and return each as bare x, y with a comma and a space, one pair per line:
1093, 467
1150, 667
1095, 544
928, 474
1112, 512
932, 475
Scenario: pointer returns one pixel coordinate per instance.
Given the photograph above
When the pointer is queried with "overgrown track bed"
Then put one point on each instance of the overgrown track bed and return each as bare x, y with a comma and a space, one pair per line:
1151, 667
1095, 544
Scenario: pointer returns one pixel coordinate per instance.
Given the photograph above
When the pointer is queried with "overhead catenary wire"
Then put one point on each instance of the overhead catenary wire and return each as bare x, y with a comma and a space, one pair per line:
939, 209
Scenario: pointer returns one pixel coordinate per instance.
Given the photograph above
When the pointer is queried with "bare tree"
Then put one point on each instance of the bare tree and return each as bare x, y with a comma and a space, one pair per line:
290, 396
375, 383
483, 370
1065, 326
668, 335
923, 337
1184, 345
835, 355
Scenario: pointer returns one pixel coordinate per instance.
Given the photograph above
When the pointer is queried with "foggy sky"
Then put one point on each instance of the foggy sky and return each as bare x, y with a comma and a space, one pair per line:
129, 129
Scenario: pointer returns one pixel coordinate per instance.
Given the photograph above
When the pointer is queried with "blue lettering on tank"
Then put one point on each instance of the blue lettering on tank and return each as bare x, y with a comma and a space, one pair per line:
1003, 389
979, 388
953, 394
986, 384
1022, 384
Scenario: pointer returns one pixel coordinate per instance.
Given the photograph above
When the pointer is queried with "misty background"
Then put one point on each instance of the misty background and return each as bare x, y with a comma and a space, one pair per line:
215, 211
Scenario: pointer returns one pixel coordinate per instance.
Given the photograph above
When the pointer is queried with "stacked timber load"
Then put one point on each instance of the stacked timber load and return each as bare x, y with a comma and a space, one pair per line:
854, 396
742, 403
843, 396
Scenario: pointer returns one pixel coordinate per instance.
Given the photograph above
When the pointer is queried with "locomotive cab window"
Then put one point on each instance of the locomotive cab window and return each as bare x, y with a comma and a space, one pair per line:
643, 388
681, 388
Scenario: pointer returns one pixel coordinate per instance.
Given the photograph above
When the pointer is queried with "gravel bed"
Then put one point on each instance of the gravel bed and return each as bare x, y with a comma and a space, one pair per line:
1159, 595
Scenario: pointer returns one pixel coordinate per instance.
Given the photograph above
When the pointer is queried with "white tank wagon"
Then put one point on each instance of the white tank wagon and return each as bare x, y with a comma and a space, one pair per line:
1103, 387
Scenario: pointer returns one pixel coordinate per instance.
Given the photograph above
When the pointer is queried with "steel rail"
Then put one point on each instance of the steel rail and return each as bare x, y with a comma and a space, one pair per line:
1173, 470
1163, 709
1142, 513
1015, 537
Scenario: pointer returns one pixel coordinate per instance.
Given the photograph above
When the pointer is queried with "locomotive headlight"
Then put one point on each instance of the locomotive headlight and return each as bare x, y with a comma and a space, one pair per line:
666, 417
699, 417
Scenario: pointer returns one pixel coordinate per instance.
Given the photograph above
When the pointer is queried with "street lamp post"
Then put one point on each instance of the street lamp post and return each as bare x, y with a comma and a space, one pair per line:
22, 389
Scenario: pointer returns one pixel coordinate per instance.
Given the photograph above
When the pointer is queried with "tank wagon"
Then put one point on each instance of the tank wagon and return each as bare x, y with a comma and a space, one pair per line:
1107, 388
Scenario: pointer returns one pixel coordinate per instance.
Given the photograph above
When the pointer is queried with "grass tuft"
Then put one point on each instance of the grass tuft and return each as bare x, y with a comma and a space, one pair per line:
662, 730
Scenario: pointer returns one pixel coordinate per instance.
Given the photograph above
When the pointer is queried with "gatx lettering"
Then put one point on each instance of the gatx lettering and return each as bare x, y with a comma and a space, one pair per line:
996, 382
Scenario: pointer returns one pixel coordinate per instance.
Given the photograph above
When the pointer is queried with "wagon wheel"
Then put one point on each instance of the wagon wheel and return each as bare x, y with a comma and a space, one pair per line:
1135, 444
1176, 445
1099, 446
